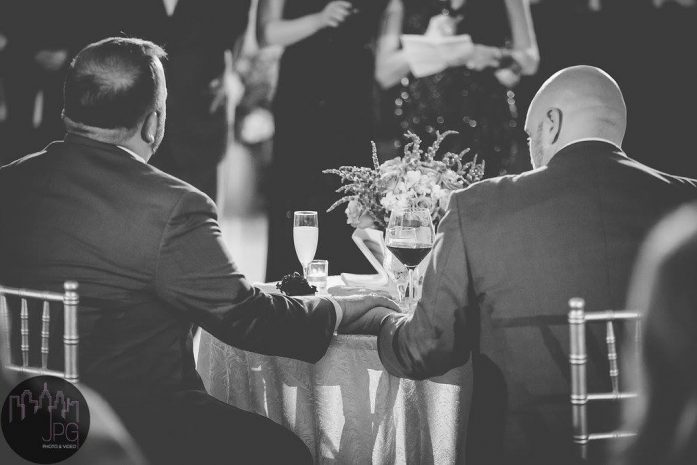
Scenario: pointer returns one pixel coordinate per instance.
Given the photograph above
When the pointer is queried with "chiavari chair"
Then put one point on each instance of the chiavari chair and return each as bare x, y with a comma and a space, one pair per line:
578, 357
70, 299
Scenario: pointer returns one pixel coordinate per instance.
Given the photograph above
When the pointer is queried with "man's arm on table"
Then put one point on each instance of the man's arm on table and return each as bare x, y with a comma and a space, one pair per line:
196, 275
433, 340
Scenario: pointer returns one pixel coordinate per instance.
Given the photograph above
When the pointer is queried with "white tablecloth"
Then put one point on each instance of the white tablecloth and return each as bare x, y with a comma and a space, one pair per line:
346, 408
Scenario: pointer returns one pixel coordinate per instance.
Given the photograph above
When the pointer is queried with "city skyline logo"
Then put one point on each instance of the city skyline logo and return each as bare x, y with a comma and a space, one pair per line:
45, 419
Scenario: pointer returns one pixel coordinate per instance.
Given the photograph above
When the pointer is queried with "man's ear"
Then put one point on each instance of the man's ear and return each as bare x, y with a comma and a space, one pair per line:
149, 128
553, 120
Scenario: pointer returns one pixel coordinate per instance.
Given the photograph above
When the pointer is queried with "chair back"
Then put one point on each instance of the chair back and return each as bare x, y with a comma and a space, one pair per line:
70, 299
578, 357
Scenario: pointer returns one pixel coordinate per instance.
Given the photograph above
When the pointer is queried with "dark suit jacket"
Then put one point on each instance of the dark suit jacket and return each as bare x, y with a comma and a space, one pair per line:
509, 254
147, 252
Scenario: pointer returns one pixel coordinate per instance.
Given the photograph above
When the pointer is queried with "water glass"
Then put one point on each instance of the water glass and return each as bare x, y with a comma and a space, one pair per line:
317, 274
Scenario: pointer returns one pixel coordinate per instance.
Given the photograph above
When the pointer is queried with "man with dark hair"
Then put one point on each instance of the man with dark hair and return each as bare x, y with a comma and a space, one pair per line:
147, 251
98, 102
198, 36
115, 99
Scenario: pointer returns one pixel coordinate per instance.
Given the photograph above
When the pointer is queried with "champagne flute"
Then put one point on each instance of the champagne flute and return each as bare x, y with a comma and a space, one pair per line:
305, 236
410, 237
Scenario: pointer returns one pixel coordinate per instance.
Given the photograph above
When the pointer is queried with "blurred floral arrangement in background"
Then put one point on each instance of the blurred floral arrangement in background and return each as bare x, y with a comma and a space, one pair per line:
417, 179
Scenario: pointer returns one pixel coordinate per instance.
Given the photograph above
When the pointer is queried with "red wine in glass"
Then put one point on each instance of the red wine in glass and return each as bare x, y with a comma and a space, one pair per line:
409, 237
410, 254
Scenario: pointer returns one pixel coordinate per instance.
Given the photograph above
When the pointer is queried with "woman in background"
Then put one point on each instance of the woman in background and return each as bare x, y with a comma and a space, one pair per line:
323, 116
473, 95
663, 290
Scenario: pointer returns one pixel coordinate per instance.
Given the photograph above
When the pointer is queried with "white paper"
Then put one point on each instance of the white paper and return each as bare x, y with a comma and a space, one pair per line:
427, 55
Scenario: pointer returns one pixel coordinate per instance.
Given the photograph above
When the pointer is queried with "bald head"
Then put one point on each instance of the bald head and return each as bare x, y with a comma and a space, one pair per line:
576, 103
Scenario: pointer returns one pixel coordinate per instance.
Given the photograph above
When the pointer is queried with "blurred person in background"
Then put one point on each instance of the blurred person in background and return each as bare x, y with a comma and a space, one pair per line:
198, 36
3, 66
663, 290
659, 61
39, 36
474, 94
323, 113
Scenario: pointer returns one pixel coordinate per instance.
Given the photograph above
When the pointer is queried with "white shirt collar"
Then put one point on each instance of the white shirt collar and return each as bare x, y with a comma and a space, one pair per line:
595, 139
131, 153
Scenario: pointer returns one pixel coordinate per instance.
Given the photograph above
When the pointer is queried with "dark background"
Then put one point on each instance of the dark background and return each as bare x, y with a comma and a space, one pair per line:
651, 51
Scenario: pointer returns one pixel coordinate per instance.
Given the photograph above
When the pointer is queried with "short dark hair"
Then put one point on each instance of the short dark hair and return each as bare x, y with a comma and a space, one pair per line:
113, 83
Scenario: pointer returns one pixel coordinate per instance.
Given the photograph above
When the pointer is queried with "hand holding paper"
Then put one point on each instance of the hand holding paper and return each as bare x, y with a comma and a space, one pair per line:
431, 54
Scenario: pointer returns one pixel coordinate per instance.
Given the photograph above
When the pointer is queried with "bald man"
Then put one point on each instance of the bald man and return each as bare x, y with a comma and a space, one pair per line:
509, 254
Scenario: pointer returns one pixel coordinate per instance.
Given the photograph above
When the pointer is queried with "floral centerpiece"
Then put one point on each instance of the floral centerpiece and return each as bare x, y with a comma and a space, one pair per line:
417, 179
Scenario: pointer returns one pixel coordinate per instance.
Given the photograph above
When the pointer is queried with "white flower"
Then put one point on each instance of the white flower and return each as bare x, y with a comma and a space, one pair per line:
403, 202
425, 184
412, 178
427, 203
450, 180
391, 172
354, 212
392, 167
389, 201
393, 201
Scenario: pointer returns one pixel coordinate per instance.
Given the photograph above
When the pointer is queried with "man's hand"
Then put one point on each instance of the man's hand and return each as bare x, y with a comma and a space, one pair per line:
363, 314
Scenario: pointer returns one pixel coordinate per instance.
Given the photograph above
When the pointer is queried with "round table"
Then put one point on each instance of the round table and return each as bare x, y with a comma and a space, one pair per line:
346, 407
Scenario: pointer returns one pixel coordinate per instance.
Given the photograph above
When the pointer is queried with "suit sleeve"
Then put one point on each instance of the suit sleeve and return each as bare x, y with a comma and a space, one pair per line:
434, 338
197, 277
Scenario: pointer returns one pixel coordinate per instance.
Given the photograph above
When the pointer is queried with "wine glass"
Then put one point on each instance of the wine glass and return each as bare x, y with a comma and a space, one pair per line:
305, 236
410, 237
398, 274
